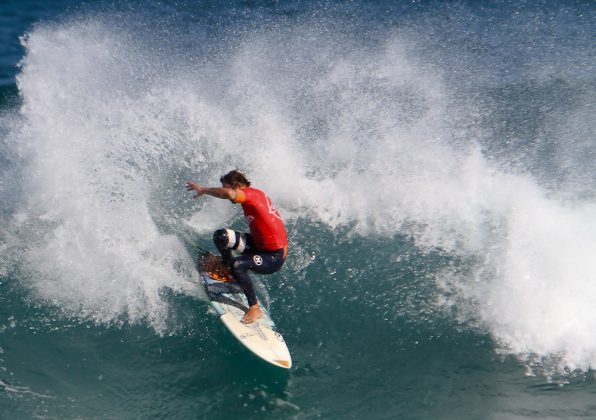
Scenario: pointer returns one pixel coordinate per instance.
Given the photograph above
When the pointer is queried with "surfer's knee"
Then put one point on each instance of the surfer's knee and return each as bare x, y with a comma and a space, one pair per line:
228, 239
221, 238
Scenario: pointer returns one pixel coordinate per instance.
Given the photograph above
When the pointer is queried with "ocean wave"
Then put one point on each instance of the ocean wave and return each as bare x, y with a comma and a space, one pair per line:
373, 137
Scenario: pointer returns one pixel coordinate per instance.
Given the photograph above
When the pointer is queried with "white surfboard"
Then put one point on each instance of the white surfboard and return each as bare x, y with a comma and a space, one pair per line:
261, 336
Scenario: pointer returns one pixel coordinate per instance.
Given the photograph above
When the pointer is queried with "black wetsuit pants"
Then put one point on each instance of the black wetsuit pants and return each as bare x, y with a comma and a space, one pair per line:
251, 259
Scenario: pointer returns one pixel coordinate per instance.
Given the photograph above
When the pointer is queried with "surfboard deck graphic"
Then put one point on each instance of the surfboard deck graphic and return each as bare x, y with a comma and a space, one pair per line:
261, 336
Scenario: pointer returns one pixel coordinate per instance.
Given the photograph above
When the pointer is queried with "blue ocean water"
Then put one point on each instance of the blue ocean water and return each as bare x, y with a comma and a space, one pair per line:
433, 162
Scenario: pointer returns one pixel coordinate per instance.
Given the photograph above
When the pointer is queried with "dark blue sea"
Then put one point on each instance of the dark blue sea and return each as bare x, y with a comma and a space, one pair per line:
433, 162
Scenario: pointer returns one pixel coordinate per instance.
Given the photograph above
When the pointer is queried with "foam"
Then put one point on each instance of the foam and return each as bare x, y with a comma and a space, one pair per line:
92, 244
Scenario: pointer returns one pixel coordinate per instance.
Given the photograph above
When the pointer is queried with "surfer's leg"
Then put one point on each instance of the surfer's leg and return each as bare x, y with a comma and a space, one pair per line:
266, 262
240, 269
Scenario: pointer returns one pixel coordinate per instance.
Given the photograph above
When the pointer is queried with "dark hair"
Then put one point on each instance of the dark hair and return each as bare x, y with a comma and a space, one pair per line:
234, 178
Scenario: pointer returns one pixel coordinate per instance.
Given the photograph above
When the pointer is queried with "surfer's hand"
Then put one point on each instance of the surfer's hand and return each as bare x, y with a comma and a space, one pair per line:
191, 186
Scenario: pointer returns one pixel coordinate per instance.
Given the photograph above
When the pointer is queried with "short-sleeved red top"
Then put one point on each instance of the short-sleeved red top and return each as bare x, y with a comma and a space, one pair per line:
266, 227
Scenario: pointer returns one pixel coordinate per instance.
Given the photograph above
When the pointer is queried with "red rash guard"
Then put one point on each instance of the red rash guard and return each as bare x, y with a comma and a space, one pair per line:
266, 227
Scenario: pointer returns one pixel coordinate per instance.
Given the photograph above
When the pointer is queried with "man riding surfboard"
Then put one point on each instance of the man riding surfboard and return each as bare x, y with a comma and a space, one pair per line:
263, 250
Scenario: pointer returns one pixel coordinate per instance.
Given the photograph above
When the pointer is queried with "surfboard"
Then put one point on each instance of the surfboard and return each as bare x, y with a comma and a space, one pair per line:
261, 337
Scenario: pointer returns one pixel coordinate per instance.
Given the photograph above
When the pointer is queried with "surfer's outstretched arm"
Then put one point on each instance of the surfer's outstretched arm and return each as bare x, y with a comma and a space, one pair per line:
219, 192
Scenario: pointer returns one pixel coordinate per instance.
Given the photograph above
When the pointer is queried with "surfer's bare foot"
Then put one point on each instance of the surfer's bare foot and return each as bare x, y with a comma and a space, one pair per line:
254, 312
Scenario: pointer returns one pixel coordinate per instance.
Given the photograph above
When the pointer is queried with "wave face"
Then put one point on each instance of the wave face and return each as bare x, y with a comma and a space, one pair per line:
434, 166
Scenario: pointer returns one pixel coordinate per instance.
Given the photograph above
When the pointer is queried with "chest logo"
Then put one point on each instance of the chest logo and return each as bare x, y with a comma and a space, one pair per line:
272, 209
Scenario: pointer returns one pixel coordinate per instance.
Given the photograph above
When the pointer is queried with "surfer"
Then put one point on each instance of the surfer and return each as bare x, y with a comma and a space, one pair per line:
263, 250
